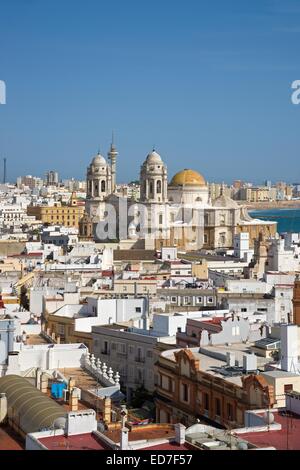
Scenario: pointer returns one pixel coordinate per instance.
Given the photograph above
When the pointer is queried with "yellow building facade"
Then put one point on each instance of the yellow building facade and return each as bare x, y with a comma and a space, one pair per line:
69, 216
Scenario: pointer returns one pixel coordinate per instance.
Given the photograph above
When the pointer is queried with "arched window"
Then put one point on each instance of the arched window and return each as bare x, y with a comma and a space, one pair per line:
102, 186
96, 187
151, 188
158, 187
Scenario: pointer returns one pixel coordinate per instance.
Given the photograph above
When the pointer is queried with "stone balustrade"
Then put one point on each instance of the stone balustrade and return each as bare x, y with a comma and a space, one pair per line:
100, 371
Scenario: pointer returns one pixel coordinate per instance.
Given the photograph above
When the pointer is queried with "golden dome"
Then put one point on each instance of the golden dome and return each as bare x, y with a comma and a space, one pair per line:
188, 178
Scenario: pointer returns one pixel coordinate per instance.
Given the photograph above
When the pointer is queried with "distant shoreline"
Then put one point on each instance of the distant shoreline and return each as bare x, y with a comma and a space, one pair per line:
271, 205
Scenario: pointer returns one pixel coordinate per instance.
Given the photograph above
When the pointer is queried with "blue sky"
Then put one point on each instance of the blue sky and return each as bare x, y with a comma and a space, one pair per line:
207, 82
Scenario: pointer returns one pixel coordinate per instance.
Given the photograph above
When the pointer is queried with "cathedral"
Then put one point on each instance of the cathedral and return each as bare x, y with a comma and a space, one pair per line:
176, 213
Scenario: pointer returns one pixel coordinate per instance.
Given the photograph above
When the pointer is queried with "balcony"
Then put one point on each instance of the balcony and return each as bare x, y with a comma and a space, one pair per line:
122, 354
140, 360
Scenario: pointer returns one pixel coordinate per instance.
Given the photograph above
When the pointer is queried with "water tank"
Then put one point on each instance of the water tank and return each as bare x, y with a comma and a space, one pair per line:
57, 389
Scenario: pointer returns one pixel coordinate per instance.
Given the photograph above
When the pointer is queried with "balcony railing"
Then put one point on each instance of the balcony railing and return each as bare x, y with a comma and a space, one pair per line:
140, 359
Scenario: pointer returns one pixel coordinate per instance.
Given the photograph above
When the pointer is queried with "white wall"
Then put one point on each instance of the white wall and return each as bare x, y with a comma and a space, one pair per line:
168, 324
247, 285
51, 356
293, 404
81, 422
120, 309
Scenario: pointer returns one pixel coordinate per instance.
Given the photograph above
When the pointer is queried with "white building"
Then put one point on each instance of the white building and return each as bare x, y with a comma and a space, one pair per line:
241, 247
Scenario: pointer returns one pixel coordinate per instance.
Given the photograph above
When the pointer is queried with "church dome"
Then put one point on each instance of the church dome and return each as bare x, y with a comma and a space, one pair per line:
153, 157
188, 178
98, 160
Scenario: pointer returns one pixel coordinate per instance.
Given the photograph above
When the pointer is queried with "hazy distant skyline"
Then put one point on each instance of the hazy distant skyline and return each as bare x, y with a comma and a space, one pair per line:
208, 83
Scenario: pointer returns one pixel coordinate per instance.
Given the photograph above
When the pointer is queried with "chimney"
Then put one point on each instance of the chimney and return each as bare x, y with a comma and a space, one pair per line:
124, 438
179, 433
38, 378
73, 400
230, 359
249, 362
71, 384
44, 383
107, 410
289, 347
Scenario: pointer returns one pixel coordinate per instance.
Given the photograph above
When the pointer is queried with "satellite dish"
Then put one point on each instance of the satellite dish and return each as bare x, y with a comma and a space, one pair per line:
59, 423
269, 417
242, 446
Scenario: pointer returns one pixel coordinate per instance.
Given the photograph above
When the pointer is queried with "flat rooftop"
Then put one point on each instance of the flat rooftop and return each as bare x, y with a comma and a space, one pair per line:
79, 442
9, 440
36, 339
82, 379
143, 433
288, 438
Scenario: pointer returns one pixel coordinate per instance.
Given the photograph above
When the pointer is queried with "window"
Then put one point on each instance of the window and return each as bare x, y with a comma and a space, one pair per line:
138, 309
185, 392
105, 347
158, 187
121, 348
60, 329
206, 401
243, 309
235, 331
218, 407
199, 300
103, 186
140, 355
160, 219
140, 375
230, 416
210, 300
149, 353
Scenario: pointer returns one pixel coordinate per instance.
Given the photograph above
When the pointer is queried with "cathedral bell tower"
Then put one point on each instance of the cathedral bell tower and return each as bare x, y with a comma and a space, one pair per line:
112, 156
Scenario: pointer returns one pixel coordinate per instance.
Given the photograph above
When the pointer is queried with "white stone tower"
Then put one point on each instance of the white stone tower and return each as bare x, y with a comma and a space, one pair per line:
98, 185
154, 179
112, 156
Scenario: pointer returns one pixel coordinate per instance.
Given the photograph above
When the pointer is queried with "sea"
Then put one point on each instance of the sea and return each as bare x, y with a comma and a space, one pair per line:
288, 219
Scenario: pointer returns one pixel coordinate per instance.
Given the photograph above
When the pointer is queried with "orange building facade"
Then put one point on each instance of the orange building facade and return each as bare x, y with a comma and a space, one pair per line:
186, 393
296, 303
